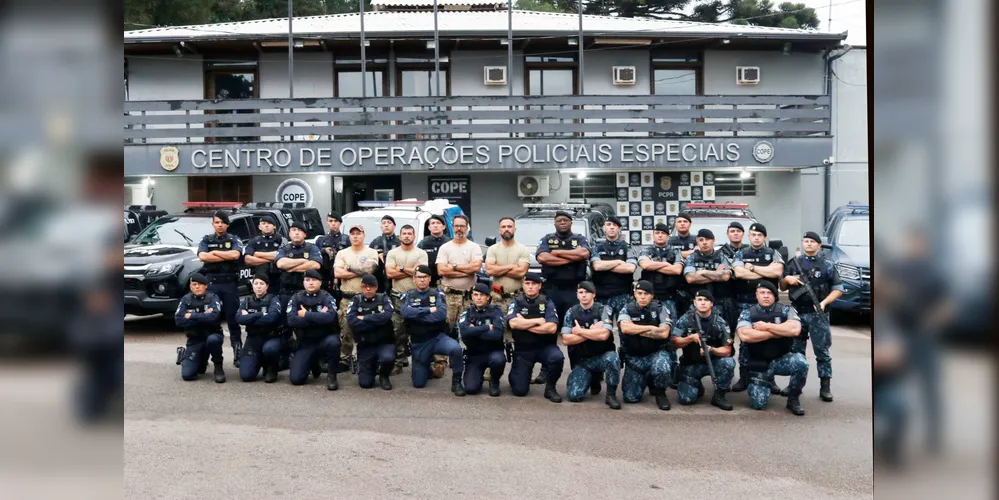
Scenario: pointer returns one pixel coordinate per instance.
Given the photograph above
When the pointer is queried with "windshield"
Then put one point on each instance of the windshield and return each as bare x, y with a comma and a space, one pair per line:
373, 224
530, 231
854, 233
718, 226
172, 231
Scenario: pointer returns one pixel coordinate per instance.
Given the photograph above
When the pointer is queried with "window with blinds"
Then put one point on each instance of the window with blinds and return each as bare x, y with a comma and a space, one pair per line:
593, 186
730, 184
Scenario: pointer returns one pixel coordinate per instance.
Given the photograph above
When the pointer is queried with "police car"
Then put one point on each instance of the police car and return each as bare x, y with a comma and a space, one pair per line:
137, 217
717, 216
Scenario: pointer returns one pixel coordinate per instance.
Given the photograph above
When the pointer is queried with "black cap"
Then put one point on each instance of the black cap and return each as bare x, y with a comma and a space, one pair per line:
312, 273
684, 215
534, 278
262, 277
268, 219
645, 286
562, 213
224, 217
388, 218
334, 216
199, 278
481, 288
736, 225
615, 220
587, 285
706, 294
298, 225
662, 227
813, 235
369, 280
423, 268
705, 233
768, 285
759, 228
438, 218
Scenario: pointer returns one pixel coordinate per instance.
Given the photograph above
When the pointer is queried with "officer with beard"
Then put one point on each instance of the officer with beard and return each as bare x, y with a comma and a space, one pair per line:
329, 244
370, 317
662, 265
705, 268
768, 330
533, 321
199, 314
312, 314
703, 322
645, 327
481, 327
261, 252
685, 243
260, 314
400, 267
614, 267
432, 243
220, 252
588, 331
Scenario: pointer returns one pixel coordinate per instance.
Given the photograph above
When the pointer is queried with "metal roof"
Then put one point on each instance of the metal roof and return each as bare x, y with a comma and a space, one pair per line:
466, 23
430, 3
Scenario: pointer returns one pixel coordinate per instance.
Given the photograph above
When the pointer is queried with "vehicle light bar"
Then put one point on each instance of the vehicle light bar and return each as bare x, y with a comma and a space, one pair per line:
571, 206
740, 206
212, 204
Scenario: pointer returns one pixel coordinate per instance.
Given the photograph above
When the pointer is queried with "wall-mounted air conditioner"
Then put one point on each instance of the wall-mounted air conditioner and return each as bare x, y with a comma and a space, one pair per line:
624, 75
494, 75
532, 186
747, 75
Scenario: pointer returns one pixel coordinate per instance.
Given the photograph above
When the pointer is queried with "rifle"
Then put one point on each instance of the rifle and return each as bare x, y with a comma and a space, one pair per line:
805, 282
508, 347
704, 348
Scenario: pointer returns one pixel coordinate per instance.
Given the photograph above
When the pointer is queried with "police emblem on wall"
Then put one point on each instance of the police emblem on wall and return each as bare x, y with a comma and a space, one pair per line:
634, 180
685, 193
660, 208
646, 237
709, 179
647, 208
636, 237
670, 221
709, 193
763, 152
622, 179
648, 223
624, 223
661, 220
697, 193
169, 158
622, 208
696, 179
685, 179
635, 223
646, 194
622, 194
635, 194
636, 208
646, 179
673, 208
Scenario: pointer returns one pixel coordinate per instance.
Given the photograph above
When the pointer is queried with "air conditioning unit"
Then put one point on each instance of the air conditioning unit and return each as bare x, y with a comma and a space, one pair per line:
624, 75
747, 75
532, 186
494, 75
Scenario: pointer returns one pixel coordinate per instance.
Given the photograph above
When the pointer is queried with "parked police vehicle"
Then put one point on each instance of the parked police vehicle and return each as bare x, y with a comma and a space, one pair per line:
717, 216
847, 244
138, 217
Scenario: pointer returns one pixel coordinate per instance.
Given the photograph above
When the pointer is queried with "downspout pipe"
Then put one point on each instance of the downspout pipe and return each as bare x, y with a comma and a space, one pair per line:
827, 178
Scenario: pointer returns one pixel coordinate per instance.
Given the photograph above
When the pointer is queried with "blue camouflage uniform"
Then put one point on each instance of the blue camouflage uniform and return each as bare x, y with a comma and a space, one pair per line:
645, 357
263, 336
591, 358
531, 348
693, 367
560, 281
698, 261
223, 278
823, 278
316, 335
203, 330
482, 332
745, 290
613, 289
374, 335
665, 286
773, 356
428, 333
266, 243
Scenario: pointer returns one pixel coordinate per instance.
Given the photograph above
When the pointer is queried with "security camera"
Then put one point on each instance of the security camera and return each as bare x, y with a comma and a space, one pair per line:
829, 161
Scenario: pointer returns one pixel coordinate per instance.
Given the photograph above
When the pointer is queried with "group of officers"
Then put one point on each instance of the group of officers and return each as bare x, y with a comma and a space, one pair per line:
397, 299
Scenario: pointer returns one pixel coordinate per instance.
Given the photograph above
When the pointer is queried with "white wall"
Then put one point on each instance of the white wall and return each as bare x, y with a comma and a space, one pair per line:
598, 79
152, 78
849, 179
467, 77
797, 73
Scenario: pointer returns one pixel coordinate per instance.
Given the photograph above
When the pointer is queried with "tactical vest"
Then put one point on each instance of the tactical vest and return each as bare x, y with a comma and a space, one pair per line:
383, 334
662, 285
770, 349
589, 348
762, 257
638, 346
313, 303
228, 268
336, 241
568, 274
525, 340
290, 282
431, 245
477, 317
713, 337
263, 243
706, 263
197, 304
609, 283
682, 243
419, 331
818, 278
255, 305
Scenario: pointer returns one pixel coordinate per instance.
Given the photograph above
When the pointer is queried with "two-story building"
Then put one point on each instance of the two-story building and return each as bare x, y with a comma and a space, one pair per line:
526, 107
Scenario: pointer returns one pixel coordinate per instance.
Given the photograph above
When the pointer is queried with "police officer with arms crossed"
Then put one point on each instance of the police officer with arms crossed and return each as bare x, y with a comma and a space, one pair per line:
220, 252
329, 244
425, 312
312, 314
703, 322
645, 326
507, 262
534, 323
400, 267
261, 252
294, 259
725, 292
613, 265
383, 244
685, 243
457, 263
662, 265
588, 331
260, 314
705, 267
199, 314
349, 266
432, 243
370, 316
824, 279
767, 330
481, 327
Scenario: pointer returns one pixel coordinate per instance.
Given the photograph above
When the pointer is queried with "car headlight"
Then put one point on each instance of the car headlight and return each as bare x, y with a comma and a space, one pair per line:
848, 272
161, 269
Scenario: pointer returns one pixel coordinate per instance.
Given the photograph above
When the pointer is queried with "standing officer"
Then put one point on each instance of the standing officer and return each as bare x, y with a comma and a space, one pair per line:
614, 267
815, 271
432, 243
383, 244
425, 311
481, 327
370, 317
768, 330
221, 253
685, 243
662, 266
507, 261
199, 314
261, 252
329, 244
400, 267
757, 262
260, 313
312, 313
725, 292
457, 263
533, 320
645, 329
705, 268
588, 331
703, 322
294, 259
349, 266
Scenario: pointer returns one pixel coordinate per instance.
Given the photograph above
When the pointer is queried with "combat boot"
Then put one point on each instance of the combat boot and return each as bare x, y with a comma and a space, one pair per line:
236, 348
219, 373
316, 369
270, 374
343, 366
595, 386
776, 390
793, 405
718, 399
457, 386
383, 376
662, 401
494, 389
824, 391
541, 378
611, 398
551, 394
741, 384
331, 383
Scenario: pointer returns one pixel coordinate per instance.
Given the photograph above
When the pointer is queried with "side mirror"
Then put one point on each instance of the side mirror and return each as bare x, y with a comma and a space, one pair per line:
827, 246
490, 241
776, 244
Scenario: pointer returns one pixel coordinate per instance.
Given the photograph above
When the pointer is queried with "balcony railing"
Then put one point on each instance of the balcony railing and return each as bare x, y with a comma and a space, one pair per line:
413, 118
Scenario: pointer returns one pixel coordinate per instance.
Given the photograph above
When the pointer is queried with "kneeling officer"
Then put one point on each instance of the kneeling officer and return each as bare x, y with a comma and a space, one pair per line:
533, 321
199, 314
481, 327
588, 331
260, 315
703, 323
312, 315
425, 314
370, 318
645, 330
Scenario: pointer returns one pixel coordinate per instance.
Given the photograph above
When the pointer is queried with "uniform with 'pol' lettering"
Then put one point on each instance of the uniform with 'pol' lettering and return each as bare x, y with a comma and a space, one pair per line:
223, 278
266, 243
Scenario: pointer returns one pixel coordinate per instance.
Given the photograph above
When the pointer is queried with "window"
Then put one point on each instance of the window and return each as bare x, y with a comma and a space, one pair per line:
551, 75
676, 74
241, 229
415, 77
350, 82
730, 184
228, 81
593, 186
224, 188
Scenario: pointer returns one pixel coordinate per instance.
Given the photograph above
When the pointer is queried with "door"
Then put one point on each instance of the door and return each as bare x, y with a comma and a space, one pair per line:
227, 85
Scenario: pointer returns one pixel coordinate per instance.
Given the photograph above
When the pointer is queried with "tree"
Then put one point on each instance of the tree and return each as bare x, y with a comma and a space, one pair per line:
757, 13
142, 14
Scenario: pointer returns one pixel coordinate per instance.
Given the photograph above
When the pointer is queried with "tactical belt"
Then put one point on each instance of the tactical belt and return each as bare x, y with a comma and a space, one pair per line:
222, 278
347, 295
467, 294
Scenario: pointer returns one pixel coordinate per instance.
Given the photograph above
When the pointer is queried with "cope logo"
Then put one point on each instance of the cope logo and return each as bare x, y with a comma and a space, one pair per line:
763, 151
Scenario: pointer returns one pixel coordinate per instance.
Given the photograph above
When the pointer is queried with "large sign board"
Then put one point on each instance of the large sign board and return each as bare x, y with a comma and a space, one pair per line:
455, 188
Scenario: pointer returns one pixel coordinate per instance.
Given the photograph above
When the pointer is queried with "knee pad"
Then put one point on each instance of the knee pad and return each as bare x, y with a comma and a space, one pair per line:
758, 391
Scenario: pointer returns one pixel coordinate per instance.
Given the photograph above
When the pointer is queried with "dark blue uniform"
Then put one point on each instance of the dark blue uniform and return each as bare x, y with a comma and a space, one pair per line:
773, 356
482, 332
336, 241
374, 335
292, 283
383, 244
665, 286
698, 261
531, 348
613, 289
431, 244
693, 367
428, 333
645, 358
316, 335
266, 243
591, 358
203, 330
263, 335
684, 297
560, 281
823, 278
223, 279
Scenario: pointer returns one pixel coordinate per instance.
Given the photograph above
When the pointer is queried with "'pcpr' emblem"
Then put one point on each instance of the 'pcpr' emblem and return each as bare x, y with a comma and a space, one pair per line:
541, 307
228, 244
169, 158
